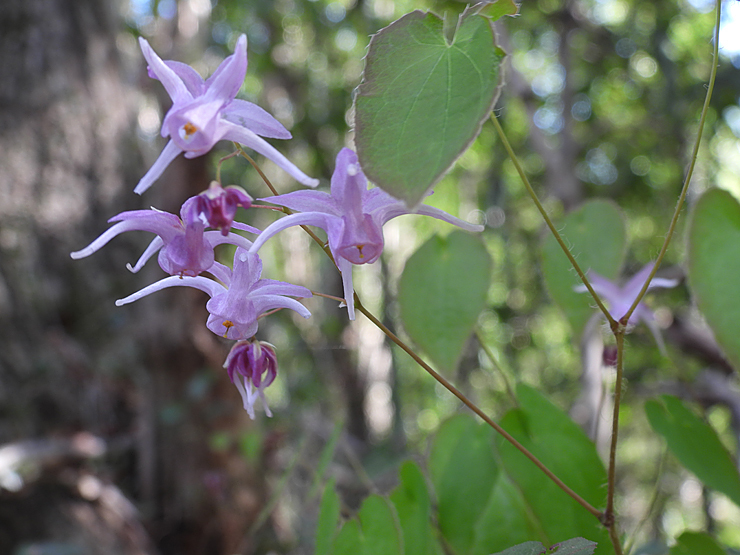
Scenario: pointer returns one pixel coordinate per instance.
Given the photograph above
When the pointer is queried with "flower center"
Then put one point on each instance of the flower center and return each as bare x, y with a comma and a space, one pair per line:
189, 129
228, 324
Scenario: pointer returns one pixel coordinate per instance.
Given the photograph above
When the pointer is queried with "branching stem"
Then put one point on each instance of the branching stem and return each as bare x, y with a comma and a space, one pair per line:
692, 165
548, 221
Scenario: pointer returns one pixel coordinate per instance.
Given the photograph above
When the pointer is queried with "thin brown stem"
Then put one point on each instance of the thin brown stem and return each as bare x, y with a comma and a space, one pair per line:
221, 161
283, 209
548, 221
609, 516
690, 171
472, 406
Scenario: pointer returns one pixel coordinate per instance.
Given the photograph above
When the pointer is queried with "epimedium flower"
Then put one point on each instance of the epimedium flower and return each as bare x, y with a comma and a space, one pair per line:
351, 215
205, 112
238, 298
252, 366
185, 247
619, 299
218, 205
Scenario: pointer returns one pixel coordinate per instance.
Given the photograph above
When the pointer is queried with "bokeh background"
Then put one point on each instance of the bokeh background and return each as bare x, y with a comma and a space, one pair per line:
120, 432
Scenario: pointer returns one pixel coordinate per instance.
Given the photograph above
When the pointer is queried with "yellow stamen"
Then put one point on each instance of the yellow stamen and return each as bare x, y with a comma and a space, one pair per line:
189, 129
228, 324
359, 248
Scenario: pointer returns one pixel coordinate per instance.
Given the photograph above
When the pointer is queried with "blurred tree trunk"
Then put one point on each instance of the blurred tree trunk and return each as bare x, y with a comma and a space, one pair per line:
69, 359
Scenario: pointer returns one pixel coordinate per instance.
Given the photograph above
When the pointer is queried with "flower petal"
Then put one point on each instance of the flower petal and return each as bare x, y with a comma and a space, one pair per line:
307, 201
156, 244
444, 216
172, 82
307, 218
199, 282
346, 267
170, 152
239, 134
229, 75
263, 303
275, 287
191, 78
348, 183
251, 116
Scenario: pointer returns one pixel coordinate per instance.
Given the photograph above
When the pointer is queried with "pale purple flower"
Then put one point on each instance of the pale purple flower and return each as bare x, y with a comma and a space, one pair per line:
252, 366
620, 298
205, 112
237, 302
351, 215
185, 248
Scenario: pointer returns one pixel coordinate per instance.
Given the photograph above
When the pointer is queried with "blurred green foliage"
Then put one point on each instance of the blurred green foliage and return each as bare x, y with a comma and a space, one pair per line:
601, 100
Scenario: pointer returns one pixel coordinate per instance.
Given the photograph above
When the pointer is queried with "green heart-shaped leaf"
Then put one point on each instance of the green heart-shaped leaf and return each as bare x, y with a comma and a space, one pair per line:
423, 99
441, 293
695, 444
714, 267
597, 237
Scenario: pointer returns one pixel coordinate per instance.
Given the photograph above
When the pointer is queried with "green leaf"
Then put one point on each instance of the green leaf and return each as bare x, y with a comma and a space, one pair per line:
563, 447
714, 267
422, 100
326, 528
597, 237
376, 533
463, 471
527, 548
505, 521
695, 543
498, 9
576, 546
695, 444
413, 506
439, 316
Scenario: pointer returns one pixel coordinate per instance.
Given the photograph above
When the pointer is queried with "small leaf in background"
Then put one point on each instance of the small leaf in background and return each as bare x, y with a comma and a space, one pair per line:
714, 267
413, 506
597, 237
328, 522
463, 471
527, 548
498, 9
560, 444
442, 291
422, 100
575, 546
695, 444
695, 543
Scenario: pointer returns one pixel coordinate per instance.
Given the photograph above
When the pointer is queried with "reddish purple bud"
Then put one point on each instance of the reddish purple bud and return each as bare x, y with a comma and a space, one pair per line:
252, 366
218, 205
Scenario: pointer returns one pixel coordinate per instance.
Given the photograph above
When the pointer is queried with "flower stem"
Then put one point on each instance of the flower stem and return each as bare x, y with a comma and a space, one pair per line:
548, 221
692, 165
285, 210
472, 406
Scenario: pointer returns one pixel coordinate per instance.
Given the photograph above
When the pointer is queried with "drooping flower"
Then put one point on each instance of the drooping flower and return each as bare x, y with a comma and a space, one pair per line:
252, 366
240, 299
205, 112
185, 248
218, 205
351, 215
619, 299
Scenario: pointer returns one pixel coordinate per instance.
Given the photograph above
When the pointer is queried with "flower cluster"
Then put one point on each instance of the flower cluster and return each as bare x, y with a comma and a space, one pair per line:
204, 112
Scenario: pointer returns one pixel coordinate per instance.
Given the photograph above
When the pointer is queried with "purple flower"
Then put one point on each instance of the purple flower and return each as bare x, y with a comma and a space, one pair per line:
236, 305
218, 205
351, 215
185, 248
205, 112
620, 299
252, 366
